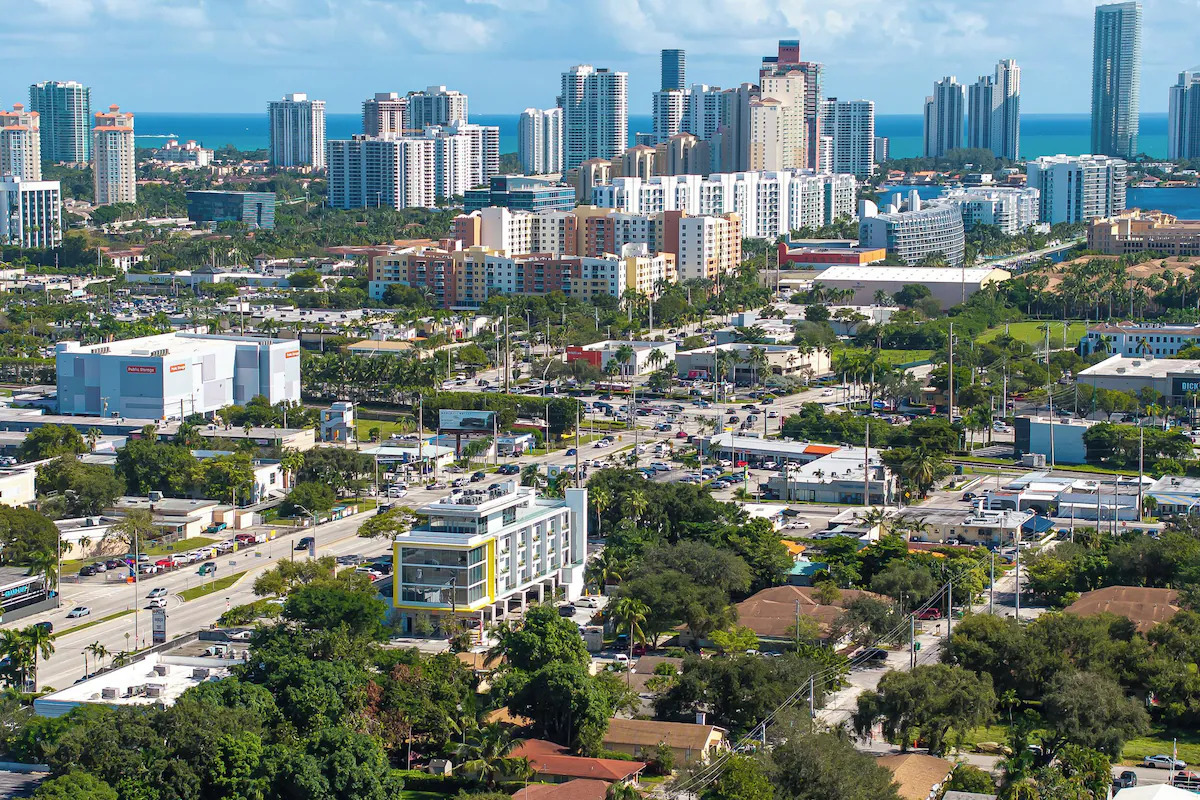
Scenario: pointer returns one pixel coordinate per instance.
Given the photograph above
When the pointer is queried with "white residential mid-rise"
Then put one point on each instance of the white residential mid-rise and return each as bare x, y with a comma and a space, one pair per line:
437, 105
595, 105
1116, 79
478, 550
944, 118
20, 144
297, 131
1077, 188
386, 112
915, 232
1183, 121
390, 171
849, 126
113, 164
669, 110
30, 213
540, 141
769, 203
1011, 209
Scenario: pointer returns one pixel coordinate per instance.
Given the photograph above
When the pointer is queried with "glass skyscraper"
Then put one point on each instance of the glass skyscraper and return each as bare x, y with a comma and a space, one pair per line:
674, 65
1116, 79
65, 120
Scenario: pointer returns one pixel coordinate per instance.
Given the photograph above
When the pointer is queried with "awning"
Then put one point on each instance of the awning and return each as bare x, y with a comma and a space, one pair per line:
1037, 524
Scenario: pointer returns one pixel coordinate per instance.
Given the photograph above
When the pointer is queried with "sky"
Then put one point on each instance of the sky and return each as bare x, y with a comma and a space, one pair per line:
235, 55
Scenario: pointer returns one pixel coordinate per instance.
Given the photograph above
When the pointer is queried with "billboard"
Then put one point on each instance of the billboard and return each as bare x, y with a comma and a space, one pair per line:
455, 420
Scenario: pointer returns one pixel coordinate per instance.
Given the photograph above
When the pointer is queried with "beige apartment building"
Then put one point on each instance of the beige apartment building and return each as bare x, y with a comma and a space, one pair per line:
113, 157
1140, 231
20, 144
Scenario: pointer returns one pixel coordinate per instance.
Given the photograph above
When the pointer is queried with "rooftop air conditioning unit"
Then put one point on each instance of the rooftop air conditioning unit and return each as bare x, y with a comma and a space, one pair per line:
155, 690
201, 673
162, 669
154, 497
108, 693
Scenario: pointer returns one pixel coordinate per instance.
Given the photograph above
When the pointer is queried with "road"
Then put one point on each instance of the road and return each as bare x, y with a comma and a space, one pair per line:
66, 665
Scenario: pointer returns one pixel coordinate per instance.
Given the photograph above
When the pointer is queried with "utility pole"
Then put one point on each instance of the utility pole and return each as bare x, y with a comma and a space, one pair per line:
992, 580
912, 641
420, 436
1141, 473
950, 608
576, 439
1050, 396
812, 703
1017, 573
950, 378
867, 466
507, 352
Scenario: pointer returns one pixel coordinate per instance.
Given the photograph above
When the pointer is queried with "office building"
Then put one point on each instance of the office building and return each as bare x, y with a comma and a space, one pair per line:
787, 62
782, 359
1012, 210
437, 105
674, 70
376, 171
113, 165
849, 126
517, 193
944, 118
1183, 119
669, 113
64, 110
1144, 231
20, 144
297, 131
883, 150
1134, 340
540, 141
478, 550
386, 112
769, 203
1116, 79
1176, 379
595, 109
1077, 188
30, 212
914, 231
256, 210
172, 375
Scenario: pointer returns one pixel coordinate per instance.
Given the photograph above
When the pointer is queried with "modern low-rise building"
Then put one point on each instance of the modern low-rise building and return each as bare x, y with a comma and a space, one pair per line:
1011, 209
1077, 188
1177, 379
253, 209
839, 477
1133, 339
780, 359
949, 287
520, 194
175, 374
480, 549
641, 355
1059, 440
976, 526
824, 253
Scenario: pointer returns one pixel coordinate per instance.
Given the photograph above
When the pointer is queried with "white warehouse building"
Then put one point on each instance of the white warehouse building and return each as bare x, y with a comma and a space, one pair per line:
172, 375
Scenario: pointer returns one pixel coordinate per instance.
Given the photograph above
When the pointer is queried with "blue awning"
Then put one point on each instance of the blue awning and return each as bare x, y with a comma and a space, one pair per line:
1037, 524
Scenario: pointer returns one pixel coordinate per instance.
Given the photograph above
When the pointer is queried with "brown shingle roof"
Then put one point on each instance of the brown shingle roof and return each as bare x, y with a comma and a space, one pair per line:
772, 612
643, 670
648, 733
1142, 605
578, 789
918, 775
548, 758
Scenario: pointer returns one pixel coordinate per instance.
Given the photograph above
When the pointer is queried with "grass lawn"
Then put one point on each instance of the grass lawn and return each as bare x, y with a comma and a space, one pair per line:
1029, 333
65, 631
413, 794
208, 587
1157, 742
362, 428
891, 356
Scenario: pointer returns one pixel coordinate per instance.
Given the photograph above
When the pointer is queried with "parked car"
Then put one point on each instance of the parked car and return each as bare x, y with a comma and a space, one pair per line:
226, 546
873, 655
100, 566
639, 649
165, 563
590, 601
78, 611
929, 613
115, 563
157, 591
1126, 780
1163, 762
566, 611
148, 569
458, 483
87, 571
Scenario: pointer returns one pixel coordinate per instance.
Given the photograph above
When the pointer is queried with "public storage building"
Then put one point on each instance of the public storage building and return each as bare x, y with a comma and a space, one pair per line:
172, 375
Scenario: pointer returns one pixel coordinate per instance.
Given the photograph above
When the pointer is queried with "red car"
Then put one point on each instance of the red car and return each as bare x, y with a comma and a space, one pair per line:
681, 435
639, 649
929, 613
164, 563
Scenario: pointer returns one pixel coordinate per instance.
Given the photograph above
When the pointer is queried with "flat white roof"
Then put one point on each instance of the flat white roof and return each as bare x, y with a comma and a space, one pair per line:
908, 274
138, 676
175, 343
1122, 366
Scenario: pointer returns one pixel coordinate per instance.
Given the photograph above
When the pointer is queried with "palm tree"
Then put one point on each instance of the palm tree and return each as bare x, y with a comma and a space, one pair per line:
85, 544
602, 500
98, 651
623, 791
604, 569
624, 354
46, 565
757, 360
530, 475
637, 504
15, 648
487, 755
292, 461
40, 643
630, 613
93, 436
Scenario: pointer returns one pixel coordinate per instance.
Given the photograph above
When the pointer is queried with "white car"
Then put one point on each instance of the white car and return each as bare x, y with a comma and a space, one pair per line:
156, 592
799, 523
1163, 762
827, 393
621, 658
157, 602
588, 602
78, 611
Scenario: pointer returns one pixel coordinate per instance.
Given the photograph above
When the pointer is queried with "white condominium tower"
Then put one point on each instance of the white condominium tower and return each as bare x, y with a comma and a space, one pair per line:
994, 111
540, 141
1116, 79
944, 118
297, 131
437, 105
64, 109
20, 144
1183, 125
849, 126
595, 106
1077, 188
386, 112
113, 165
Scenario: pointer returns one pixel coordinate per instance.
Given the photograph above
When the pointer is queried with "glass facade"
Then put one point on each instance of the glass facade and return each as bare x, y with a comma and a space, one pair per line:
432, 575
520, 194
255, 209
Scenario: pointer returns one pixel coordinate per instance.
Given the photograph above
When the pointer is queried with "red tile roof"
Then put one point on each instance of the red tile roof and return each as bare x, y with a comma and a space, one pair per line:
578, 789
550, 759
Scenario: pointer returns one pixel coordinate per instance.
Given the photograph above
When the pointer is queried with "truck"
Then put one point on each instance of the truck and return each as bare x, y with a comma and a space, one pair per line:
216, 527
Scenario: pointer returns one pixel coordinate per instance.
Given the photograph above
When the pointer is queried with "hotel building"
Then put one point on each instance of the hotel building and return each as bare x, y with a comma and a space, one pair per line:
114, 167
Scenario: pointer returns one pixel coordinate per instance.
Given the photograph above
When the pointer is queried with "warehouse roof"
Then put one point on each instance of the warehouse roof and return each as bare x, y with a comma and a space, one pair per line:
911, 274
1141, 367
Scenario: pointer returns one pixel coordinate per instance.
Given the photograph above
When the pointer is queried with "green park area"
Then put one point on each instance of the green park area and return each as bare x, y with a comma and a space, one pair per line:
1033, 332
